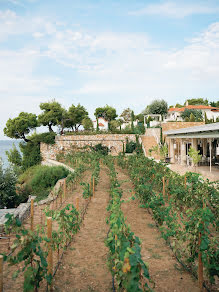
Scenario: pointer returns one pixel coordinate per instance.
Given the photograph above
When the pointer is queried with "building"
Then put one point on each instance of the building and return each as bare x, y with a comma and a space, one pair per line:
103, 124
174, 114
204, 138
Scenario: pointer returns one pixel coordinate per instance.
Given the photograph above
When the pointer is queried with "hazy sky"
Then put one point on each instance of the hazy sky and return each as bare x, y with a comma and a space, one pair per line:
96, 52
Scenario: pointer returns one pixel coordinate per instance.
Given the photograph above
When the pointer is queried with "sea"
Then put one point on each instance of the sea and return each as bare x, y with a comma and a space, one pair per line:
7, 145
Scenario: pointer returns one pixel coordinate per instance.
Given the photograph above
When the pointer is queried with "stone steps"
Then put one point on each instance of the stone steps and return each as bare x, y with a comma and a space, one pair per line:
148, 142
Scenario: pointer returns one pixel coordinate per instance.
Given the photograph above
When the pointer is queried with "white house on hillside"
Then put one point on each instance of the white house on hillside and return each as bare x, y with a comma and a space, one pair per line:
103, 124
174, 114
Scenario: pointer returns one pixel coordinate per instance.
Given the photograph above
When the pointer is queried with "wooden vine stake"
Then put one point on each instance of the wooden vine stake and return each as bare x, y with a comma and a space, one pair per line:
64, 188
77, 204
200, 265
31, 213
1, 273
167, 183
93, 185
163, 186
49, 258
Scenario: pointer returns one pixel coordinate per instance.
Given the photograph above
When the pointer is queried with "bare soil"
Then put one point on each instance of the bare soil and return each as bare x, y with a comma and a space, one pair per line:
84, 266
165, 271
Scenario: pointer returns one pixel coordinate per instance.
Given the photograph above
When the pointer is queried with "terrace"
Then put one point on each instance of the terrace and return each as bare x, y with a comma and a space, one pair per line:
204, 138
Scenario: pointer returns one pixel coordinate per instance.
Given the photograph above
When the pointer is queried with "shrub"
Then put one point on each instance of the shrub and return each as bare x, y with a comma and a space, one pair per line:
104, 150
130, 146
8, 195
31, 154
14, 156
41, 178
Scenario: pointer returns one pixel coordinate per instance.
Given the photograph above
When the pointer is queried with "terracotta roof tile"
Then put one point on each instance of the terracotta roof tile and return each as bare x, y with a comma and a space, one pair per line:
198, 107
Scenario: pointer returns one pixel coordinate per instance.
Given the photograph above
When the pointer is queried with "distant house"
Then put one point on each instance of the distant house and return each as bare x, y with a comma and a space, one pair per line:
174, 114
103, 124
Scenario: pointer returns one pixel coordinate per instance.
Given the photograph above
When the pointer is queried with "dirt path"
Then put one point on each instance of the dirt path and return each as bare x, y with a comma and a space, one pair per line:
164, 269
84, 265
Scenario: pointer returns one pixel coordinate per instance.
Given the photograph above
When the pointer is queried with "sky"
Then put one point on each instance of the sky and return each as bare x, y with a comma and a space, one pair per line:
123, 53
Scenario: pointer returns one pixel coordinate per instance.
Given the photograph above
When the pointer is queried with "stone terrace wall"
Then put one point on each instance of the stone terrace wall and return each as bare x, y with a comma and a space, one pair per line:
64, 143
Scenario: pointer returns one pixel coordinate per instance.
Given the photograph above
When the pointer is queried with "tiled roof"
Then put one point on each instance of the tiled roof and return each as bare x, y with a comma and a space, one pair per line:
101, 125
176, 109
198, 107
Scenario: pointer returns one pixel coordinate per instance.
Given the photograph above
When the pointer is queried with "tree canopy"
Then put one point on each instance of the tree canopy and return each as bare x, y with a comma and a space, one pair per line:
126, 114
52, 114
76, 115
87, 124
157, 107
21, 126
214, 103
197, 101
192, 115
107, 112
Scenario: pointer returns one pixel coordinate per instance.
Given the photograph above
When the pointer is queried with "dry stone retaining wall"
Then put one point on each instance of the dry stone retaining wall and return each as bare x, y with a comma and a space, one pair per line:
64, 143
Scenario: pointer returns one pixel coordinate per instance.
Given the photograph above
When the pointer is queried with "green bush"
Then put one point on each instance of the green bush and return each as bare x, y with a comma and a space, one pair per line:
104, 150
31, 154
8, 195
130, 146
40, 179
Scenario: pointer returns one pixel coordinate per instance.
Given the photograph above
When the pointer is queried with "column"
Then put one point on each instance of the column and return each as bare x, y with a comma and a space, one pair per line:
204, 141
172, 156
183, 152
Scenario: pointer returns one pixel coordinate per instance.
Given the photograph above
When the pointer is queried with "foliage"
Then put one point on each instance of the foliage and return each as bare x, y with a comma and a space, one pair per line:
41, 178
126, 114
158, 106
86, 190
31, 257
140, 118
214, 103
52, 114
197, 101
47, 137
163, 150
107, 112
20, 126
30, 153
124, 260
8, 195
196, 113
114, 124
130, 146
182, 213
76, 115
30, 150
14, 156
194, 154
87, 124
104, 150
68, 221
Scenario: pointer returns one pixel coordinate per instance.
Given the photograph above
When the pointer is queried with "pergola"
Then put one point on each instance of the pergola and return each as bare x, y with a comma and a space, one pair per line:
204, 138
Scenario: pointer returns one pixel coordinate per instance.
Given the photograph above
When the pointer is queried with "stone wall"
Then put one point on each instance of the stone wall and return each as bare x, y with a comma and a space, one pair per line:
64, 143
179, 125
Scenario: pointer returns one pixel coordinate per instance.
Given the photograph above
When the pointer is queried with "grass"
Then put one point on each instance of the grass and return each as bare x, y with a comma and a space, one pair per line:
39, 180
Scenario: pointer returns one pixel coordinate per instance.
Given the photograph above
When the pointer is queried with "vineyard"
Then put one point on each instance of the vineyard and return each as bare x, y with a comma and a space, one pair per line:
117, 224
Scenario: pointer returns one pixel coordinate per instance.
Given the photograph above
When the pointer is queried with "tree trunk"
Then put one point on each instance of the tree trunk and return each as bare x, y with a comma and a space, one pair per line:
50, 128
